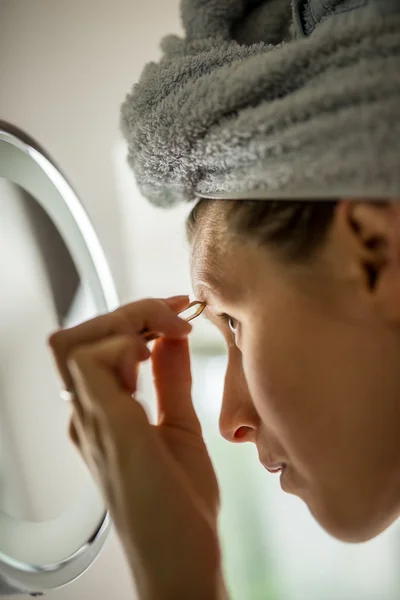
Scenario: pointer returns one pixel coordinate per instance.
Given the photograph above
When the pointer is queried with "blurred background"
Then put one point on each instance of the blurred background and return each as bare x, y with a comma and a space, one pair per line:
65, 68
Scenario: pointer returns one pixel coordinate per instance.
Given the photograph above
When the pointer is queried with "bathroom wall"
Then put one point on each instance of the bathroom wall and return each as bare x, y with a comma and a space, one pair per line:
65, 68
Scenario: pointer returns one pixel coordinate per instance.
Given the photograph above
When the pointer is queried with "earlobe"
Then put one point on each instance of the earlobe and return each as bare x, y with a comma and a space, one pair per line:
375, 228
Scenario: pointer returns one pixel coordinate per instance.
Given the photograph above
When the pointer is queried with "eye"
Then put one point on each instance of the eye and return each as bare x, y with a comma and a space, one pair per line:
232, 323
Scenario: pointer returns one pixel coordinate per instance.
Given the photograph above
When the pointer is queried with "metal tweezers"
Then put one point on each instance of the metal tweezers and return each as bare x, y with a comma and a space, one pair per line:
149, 336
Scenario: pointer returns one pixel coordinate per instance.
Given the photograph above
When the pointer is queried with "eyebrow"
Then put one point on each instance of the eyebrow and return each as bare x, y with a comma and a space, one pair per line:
213, 288
203, 293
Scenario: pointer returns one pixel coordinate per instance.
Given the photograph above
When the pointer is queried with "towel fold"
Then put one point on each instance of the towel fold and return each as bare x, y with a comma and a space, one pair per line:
268, 99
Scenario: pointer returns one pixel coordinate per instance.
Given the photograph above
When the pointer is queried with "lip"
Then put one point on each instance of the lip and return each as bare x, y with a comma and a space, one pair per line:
285, 474
275, 468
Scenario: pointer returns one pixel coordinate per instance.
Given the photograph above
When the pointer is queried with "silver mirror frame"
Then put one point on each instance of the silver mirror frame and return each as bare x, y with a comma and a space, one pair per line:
44, 181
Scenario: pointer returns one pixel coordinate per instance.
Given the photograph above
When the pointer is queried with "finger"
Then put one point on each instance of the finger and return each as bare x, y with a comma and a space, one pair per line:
77, 435
89, 446
128, 371
73, 434
173, 383
155, 314
77, 409
95, 369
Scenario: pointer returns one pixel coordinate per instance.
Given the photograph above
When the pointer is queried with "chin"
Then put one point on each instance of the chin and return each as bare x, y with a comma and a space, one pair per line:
352, 526
352, 535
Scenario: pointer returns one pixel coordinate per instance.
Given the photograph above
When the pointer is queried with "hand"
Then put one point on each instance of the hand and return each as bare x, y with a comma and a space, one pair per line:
157, 480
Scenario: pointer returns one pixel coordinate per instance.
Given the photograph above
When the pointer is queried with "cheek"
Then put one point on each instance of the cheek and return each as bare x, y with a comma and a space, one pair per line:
279, 377
287, 368
319, 403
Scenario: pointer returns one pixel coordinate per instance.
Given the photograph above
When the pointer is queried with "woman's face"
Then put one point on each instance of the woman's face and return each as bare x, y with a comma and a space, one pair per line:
313, 376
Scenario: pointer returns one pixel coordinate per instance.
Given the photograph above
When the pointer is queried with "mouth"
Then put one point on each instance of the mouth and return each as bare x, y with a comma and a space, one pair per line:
276, 468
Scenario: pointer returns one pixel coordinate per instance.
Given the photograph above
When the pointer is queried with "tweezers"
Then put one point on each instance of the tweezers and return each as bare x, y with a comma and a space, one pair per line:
149, 336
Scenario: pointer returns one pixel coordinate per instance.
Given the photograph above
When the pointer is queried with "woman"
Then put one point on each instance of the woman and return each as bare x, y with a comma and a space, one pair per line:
291, 116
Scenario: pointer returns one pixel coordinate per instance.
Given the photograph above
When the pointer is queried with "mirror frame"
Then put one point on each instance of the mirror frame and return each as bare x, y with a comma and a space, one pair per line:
74, 226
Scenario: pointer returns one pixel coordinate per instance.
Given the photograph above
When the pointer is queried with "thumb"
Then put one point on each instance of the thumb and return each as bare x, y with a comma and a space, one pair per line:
173, 383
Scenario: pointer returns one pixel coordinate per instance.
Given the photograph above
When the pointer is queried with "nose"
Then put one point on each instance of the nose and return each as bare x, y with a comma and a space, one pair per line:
238, 420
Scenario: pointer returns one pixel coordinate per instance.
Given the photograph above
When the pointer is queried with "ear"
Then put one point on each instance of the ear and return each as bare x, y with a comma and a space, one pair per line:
374, 228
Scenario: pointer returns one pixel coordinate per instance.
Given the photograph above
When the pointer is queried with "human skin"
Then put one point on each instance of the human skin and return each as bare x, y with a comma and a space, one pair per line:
157, 480
313, 375
313, 379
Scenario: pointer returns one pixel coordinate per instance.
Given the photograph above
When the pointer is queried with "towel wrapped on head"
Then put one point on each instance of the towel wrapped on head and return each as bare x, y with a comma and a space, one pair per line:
270, 99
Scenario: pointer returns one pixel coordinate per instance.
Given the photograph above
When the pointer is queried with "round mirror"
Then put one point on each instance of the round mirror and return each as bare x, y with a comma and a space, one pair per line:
53, 274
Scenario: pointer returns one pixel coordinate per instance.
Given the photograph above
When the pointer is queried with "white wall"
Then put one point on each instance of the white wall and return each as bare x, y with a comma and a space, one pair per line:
65, 68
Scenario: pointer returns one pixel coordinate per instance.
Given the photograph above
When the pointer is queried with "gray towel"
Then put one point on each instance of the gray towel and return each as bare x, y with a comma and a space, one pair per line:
264, 99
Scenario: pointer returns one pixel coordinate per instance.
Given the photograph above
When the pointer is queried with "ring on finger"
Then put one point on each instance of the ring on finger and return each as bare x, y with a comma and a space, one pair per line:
67, 395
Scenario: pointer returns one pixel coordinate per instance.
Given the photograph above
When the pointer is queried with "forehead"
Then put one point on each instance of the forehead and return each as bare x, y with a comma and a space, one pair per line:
216, 264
